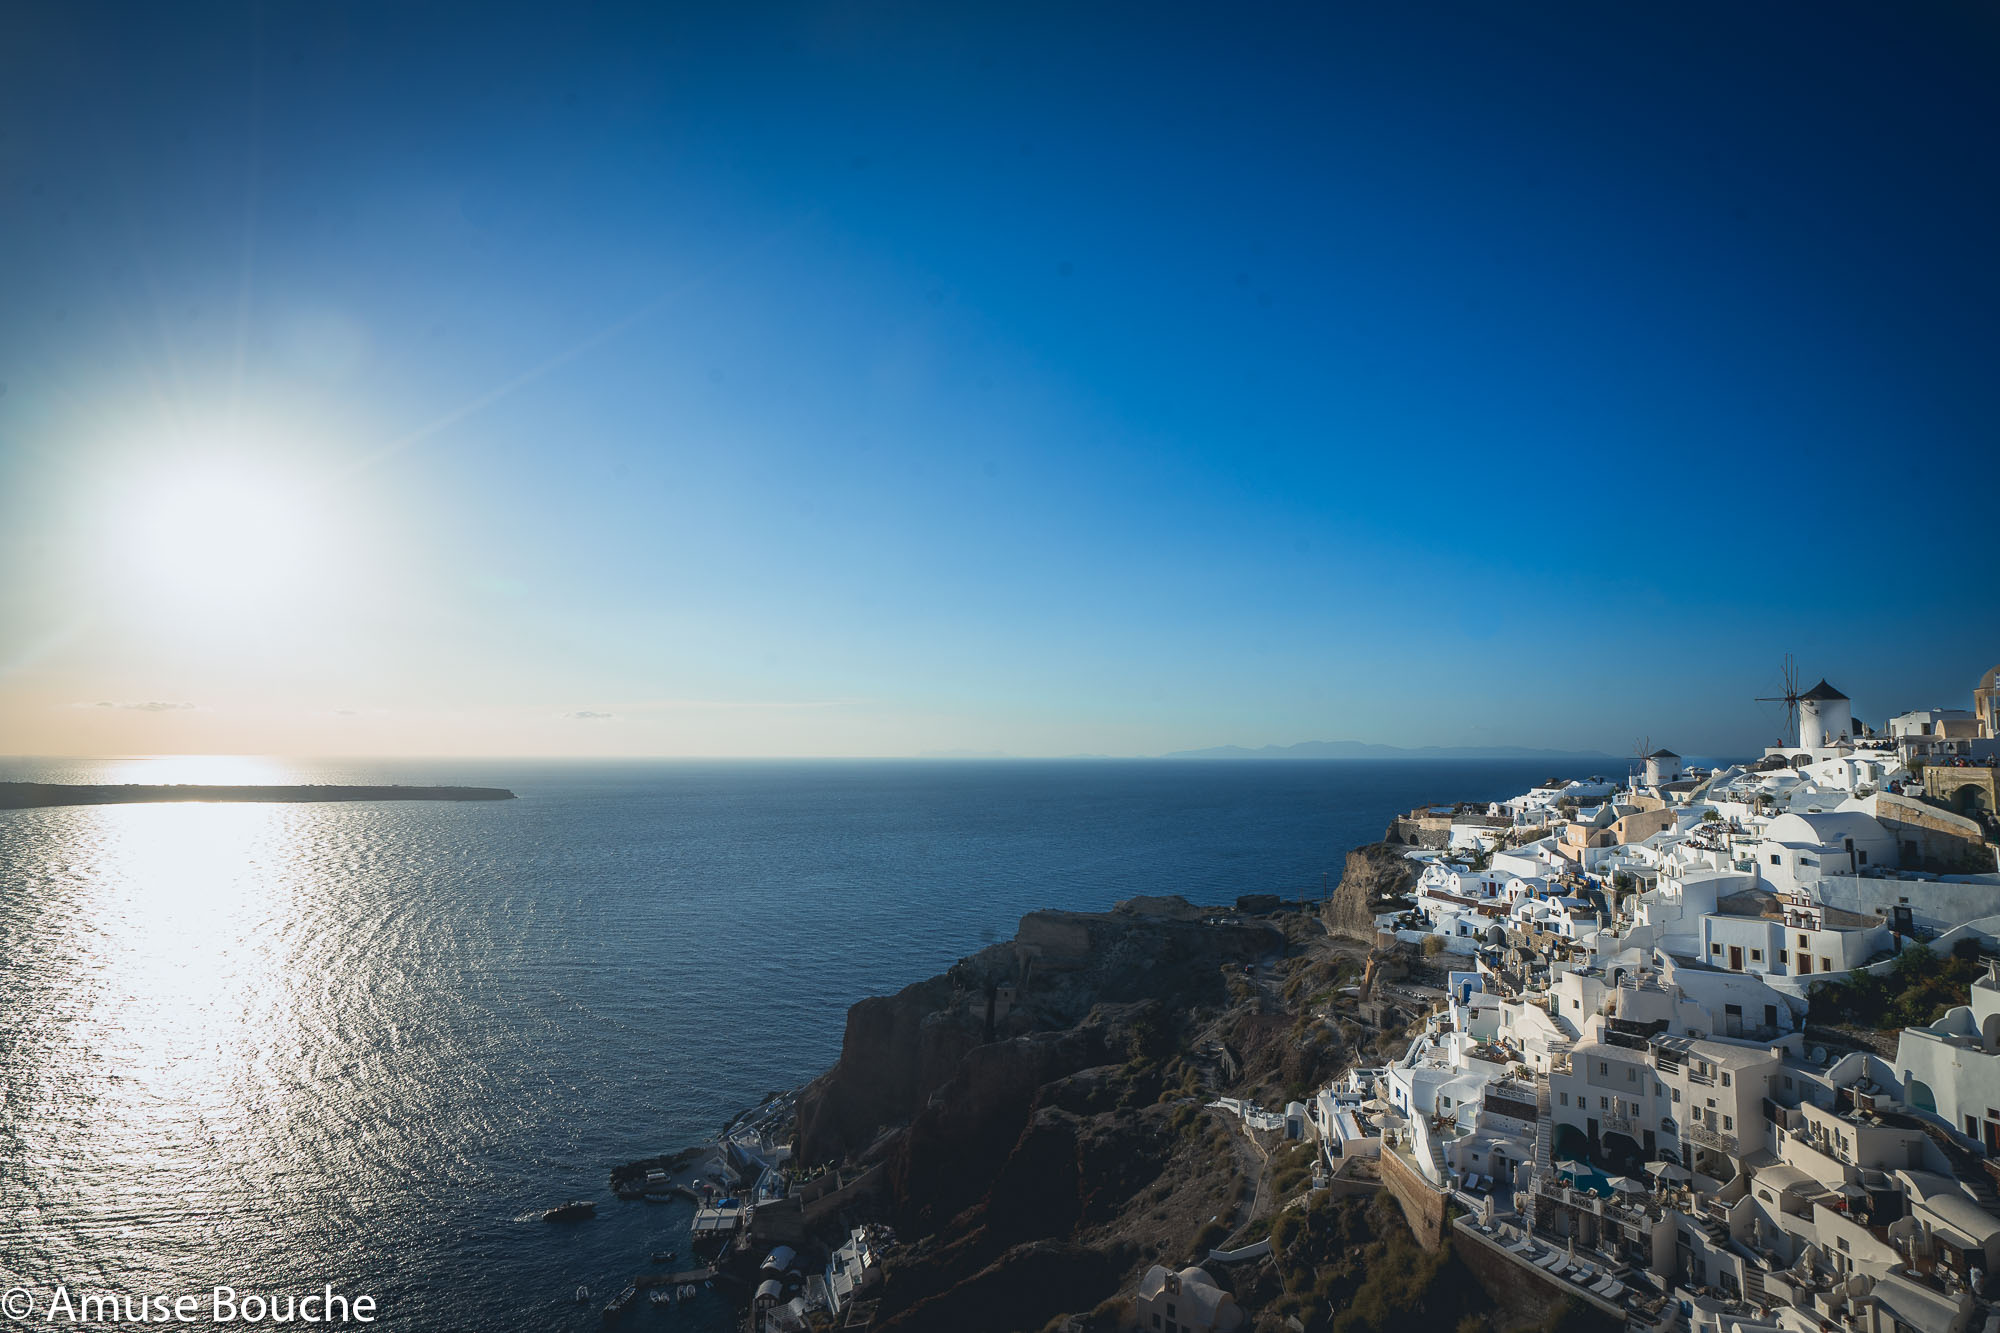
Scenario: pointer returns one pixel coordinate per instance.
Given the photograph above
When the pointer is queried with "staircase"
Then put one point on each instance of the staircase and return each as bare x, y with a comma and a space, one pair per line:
1967, 1165
1545, 1129
1712, 1226
1545, 1162
1753, 1288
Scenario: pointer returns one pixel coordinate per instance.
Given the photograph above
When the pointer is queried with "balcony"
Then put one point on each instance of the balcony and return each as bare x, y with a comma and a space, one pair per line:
1709, 1138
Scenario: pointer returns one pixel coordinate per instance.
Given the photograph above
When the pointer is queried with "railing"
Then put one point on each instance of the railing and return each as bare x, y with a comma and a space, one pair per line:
1615, 1124
1708, 1138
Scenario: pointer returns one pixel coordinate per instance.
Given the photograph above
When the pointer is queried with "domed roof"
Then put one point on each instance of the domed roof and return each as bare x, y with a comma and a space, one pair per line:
1990, 680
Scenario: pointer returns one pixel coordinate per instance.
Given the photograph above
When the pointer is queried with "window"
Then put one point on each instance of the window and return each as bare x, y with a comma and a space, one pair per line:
1715, 948
1156, 1319
1842, 1240
1677, 1094
1603, 1068
1725, 1078
1788, 1083
1565, 1099
1728, 1123
1631, 1075
1826, 965
1804, 943
1863, 857
1776, 859
1604, 1103
1756, 955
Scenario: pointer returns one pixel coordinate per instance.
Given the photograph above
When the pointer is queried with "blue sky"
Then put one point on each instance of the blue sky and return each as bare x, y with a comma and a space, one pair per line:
880, 379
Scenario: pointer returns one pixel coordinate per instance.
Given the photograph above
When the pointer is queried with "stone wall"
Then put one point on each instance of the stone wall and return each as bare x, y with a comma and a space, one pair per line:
1525, 1292
1949, 785
1422, 1203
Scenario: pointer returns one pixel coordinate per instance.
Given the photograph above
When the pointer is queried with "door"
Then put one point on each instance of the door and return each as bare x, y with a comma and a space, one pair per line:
1735, 958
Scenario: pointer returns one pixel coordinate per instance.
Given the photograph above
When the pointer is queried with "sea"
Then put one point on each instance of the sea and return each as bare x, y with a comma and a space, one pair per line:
279, 1047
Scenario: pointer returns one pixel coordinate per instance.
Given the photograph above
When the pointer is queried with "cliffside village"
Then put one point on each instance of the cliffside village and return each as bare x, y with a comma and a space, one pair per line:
1618, 1090
1610, 1094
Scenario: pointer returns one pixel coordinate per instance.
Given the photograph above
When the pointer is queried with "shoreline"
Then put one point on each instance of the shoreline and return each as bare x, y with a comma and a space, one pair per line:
49, 795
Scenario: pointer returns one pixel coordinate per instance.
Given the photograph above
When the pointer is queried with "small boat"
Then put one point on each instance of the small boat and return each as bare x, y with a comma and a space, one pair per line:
573, 1211
660, 1296
620, 1303
665, 1256
582, 1294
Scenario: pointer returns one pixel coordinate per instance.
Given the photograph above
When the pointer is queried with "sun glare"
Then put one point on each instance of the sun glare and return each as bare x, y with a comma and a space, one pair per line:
219, 536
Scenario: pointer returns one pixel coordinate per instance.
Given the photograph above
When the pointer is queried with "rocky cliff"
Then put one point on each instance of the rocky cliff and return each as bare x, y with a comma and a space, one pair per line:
899, 1052
1373, 874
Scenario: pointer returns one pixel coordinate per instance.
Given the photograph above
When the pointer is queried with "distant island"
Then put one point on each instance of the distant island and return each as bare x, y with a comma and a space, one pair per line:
1364, 750
35, 795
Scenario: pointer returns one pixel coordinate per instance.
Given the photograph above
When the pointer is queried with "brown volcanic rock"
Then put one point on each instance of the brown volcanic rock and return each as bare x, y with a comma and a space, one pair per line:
1014, 1292
944, 1162
897, 1050
1378, 870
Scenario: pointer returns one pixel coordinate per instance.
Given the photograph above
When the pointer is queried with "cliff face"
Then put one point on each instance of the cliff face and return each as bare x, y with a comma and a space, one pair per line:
1377, 871
1030, 1162
898, 1052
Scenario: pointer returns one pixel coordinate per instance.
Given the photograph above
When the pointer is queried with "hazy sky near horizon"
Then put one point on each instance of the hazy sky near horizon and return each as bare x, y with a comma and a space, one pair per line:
882, 379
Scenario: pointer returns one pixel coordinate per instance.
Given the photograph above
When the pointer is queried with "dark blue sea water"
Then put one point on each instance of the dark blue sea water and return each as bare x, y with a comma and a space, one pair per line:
279, 1046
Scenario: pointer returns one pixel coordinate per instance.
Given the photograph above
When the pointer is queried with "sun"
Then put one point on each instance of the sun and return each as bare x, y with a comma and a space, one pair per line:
225, 535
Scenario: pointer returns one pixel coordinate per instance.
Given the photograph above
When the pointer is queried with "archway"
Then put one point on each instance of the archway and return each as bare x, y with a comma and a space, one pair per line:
1622, 1152
1571, 1144
1921, 1096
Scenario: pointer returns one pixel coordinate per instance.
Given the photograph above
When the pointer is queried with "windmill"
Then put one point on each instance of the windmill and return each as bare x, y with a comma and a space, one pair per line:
1790, 699
1640, 749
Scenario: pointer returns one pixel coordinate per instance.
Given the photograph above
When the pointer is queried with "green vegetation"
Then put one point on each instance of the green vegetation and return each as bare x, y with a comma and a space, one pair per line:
1355, 1256
1291, 1167
1918, 989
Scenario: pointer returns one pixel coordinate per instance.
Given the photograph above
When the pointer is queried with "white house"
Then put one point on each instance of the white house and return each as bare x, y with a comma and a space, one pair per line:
1185, 1302
1797, 849
1951, 1069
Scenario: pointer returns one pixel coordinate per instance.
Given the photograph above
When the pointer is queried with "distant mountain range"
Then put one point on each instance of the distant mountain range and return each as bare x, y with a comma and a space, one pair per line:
1364, 750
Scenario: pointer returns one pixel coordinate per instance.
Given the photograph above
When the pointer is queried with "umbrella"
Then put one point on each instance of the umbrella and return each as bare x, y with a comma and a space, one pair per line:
1573, 1167
1628, 1185
1668, 1171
